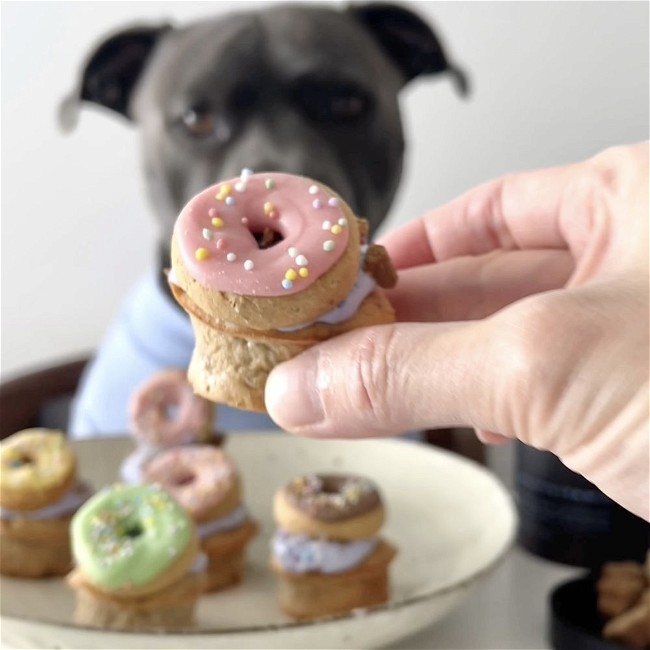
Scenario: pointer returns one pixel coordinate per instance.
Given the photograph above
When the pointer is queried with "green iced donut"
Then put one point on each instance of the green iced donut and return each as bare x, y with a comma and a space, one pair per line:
125, 537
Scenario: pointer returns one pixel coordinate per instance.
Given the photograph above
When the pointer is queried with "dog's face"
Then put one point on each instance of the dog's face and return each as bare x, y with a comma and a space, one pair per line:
305, 90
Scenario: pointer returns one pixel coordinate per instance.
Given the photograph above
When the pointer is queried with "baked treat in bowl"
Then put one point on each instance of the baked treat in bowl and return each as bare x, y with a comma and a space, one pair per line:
205, 481
326, 553
624, 600
39, 493
267, 265
138, 564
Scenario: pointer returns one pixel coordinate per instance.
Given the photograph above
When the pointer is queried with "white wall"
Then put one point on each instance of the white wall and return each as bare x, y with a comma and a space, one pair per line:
553, 82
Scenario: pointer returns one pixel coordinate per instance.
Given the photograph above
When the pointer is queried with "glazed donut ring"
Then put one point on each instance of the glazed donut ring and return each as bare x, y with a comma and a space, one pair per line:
334, 506
150, 408
218, 263
37, 468
201, 478
133, 540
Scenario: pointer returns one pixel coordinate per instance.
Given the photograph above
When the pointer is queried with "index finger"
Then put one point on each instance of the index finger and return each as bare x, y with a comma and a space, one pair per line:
517, 211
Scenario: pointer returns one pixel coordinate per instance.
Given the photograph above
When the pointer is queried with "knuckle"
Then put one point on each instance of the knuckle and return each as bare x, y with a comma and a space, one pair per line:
369, 386
527, 360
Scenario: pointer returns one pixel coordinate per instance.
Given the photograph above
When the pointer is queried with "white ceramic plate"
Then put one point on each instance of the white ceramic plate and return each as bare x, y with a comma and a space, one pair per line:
451, 520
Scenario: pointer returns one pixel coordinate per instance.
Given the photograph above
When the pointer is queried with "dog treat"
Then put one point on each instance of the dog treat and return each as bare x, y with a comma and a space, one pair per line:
326, 552
205, 481
164, 412
267, 265
39, 493
624, 599
138, 562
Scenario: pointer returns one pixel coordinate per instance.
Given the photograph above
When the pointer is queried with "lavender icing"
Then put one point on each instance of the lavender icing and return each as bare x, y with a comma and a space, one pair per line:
131, 468
69, 503
363, 287
301, 554
232, 520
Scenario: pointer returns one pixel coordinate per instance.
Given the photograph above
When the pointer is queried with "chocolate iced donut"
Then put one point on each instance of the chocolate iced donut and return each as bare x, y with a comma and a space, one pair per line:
333, 505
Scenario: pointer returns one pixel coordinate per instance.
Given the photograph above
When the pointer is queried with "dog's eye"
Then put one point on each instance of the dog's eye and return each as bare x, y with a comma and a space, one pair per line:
201, 122
333, 102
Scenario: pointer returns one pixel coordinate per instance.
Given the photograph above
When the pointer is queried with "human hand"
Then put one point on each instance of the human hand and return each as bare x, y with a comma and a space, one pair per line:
523, 310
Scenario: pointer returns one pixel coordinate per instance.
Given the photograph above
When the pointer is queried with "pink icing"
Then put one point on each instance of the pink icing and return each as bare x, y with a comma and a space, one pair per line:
220, 222
198, 477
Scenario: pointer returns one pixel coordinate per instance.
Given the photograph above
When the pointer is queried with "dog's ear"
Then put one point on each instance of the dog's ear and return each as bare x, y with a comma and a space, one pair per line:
111, 72
408, 41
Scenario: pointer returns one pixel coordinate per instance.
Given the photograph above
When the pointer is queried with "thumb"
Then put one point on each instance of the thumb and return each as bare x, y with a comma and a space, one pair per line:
385, 380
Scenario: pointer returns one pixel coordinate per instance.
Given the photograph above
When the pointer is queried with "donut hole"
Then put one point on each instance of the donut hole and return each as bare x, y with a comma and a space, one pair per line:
171, 412
330, 486
133, 529
182, 478
267, 237
20, 459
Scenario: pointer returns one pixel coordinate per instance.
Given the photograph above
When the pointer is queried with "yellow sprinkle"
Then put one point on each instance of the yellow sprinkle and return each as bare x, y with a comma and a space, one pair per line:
303, 272
224, 191
217, 222
336, 229
268, 207
290, 275
202, 254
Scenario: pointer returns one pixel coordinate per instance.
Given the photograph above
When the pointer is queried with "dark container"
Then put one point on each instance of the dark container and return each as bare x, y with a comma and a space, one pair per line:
566, 519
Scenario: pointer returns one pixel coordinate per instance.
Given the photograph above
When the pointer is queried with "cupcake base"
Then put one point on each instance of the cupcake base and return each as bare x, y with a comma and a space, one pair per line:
313, 595
35, 549
227, 556
171, 608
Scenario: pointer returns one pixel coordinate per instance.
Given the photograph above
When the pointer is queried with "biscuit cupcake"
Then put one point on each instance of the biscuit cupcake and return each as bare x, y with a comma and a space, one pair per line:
39, 493
138, 564
205, 481
327, 554
266, 266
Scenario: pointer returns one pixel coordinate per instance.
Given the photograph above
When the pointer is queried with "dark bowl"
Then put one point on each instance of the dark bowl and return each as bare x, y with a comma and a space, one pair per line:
574, 622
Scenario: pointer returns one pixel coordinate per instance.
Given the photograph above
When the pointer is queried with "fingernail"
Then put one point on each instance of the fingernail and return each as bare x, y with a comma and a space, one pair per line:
291, 394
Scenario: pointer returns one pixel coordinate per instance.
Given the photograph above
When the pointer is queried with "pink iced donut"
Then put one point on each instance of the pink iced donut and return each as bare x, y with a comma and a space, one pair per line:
164, 411
200, 477
218, 234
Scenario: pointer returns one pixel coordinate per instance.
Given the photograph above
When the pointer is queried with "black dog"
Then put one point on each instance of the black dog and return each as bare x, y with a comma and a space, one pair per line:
301, 89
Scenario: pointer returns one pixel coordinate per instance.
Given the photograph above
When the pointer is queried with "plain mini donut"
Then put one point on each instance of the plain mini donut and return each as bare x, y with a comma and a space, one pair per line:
164, 411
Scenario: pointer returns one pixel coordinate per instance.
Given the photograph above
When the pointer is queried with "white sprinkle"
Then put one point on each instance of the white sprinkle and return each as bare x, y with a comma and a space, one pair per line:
328, 245
240, 186
317, 203
230, 200
245, 173
287, 284
313, 189
248, 265
343, 222
231, 257
301, 260
333, 202
293, 251
207, 233
327, 225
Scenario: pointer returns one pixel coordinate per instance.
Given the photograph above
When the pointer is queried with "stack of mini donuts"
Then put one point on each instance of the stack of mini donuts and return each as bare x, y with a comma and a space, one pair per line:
326, 553
39, 493
176, 449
